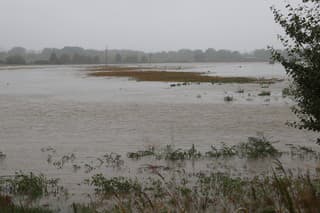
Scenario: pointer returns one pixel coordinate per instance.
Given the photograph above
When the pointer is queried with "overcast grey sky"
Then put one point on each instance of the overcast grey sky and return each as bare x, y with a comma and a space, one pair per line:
149, 25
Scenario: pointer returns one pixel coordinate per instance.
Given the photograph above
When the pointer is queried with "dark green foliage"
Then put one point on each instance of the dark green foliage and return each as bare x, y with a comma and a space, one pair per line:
302, 59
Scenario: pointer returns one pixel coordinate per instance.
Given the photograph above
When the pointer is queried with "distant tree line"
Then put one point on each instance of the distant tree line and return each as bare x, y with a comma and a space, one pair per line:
78, 55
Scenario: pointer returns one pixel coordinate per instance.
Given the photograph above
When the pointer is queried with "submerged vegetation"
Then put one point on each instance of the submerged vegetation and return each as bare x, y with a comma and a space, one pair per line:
255, 147
2, 155
30, 185
19, 192
228, 98
176, 189
264, 93
8, 206
212, 192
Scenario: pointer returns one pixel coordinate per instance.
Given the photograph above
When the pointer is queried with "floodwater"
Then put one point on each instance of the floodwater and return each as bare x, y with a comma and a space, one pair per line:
60, 107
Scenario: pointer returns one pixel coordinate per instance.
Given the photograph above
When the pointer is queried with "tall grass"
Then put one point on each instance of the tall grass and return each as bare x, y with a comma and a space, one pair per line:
213, 192
177, 189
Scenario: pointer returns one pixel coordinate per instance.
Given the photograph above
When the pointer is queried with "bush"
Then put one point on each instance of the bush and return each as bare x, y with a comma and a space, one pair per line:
302, 59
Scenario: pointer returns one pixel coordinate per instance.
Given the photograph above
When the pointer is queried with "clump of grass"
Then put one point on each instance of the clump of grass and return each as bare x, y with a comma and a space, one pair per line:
240, 90
224, 151
30, 185
264, 93
168, 153
115, 185
48, 149
63, 160
178, 154
258, 147
228, 98
7, 206
303, 152
264, 86
287, 92
2, 155
113, 160
141, 153
84, 208
255, 147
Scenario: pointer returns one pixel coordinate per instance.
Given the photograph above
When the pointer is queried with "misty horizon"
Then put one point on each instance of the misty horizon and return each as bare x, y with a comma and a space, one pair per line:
127, 49
142, 25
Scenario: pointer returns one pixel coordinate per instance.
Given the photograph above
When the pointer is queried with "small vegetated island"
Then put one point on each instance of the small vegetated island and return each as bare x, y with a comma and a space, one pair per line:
151, 74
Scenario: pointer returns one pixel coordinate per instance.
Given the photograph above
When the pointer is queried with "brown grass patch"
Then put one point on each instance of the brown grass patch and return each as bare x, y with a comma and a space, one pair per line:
146, 74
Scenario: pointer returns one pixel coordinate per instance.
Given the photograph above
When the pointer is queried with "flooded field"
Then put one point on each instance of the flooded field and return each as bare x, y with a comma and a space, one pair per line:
50, 112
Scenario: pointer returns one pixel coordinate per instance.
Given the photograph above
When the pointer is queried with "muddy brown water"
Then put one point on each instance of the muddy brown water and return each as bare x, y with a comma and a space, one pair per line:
60, 107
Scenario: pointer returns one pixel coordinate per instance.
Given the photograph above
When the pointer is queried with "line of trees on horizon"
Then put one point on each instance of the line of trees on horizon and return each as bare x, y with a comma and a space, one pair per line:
79, 55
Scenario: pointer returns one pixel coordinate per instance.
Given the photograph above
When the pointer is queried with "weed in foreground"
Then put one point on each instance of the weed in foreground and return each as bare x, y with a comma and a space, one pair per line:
213, 192
7, 206
303, 152
30, 185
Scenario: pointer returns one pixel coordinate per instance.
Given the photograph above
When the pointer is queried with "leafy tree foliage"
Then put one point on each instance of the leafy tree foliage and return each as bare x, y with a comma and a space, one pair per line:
302, 61
17, 51
15, 60
53, 58
78, 55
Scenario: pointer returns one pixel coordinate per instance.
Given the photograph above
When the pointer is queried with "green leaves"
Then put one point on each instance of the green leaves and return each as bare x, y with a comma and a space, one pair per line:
302, 62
